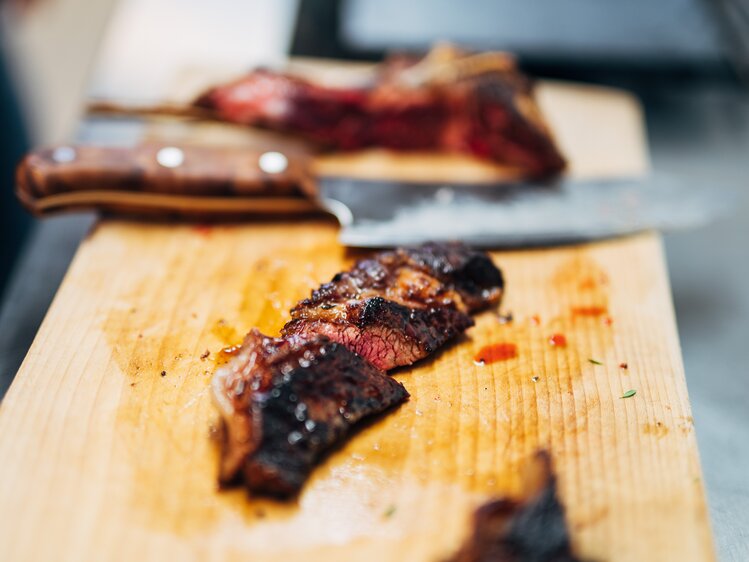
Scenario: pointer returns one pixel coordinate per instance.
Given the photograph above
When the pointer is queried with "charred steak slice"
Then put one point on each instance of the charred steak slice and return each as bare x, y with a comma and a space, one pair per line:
529, 529
432, 274
285, 402
400, 306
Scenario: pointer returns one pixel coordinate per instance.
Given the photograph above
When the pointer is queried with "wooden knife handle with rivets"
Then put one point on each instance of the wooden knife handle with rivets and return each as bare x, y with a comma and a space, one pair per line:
158, 179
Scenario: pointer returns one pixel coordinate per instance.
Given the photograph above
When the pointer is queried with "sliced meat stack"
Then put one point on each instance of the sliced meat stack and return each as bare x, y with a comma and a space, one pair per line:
285, 401
448, 101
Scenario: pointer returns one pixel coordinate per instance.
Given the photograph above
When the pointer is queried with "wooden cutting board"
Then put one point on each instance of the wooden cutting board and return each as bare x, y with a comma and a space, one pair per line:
104, 435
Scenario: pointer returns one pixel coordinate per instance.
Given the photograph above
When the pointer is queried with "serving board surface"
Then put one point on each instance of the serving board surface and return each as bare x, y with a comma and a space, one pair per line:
105, 436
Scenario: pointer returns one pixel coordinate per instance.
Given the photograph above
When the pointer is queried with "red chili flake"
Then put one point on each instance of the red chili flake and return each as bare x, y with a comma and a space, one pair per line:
535, 319
558, 340
623, 366
608, 321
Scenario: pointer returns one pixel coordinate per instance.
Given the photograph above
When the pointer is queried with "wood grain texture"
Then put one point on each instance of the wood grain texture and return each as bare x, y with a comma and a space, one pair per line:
104, 434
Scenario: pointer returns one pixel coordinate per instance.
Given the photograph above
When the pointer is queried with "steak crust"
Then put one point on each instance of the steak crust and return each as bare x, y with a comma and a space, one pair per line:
285, 402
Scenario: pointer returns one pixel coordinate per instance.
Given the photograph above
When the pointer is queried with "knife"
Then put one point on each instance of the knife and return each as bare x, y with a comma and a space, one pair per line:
231, 183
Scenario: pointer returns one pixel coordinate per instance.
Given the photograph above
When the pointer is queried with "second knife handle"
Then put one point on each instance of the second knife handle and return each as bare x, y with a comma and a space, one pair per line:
159, 177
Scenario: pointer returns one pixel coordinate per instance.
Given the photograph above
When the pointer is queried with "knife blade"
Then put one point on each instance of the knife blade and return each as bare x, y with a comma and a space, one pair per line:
211, 182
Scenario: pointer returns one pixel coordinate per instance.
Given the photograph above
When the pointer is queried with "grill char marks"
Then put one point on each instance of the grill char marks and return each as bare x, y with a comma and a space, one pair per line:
285, 402
402, 305
528, 529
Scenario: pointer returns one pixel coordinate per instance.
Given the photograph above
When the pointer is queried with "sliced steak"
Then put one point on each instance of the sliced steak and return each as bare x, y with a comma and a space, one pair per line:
285, 402
385, 333
528, 529
400, 306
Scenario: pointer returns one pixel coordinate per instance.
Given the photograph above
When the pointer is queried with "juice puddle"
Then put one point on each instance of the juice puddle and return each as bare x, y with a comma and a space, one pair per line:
496, 352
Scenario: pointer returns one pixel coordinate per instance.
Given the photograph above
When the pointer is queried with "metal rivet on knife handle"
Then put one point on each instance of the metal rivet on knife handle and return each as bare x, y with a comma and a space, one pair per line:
170, 157
273, 162
63, 154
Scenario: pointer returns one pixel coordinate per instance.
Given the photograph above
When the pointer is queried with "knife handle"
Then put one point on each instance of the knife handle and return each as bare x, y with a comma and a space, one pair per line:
158, 179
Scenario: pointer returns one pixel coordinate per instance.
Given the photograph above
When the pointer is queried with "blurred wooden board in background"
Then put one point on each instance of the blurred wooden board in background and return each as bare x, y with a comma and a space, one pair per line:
104, 434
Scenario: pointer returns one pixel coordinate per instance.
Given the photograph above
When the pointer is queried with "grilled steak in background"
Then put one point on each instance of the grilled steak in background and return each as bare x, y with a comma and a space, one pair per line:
450, 101
400, 306
527, 529
285, 402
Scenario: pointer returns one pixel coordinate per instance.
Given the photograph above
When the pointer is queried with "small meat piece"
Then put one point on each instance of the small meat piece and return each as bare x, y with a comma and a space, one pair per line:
285, 402
399, 306
530, 529
449, 101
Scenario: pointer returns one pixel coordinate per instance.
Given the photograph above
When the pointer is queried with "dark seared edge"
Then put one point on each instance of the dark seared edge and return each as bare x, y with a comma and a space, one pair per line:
527, 529
285, 402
